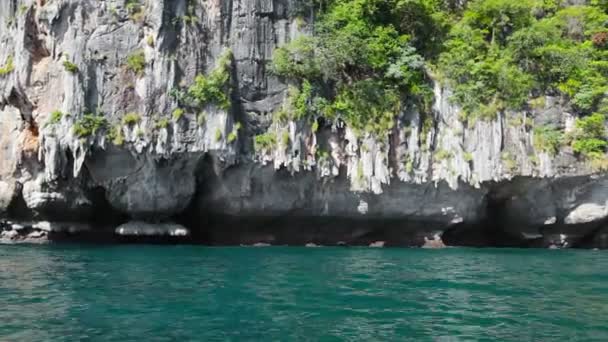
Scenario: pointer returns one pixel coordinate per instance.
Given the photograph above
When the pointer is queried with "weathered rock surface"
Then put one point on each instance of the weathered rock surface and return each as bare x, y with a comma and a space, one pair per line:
418, 183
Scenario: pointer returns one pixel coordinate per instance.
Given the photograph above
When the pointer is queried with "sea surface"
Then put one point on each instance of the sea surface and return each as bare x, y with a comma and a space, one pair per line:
189, 293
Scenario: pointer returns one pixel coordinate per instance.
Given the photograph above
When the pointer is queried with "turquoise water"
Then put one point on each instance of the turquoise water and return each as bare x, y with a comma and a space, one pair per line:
181, 293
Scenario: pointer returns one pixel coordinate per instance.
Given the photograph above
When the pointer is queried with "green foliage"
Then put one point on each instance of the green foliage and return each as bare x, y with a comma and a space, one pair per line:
89, 124
150, 41
502, 50
538, 103
589, 138
285, 138
359, 64
548, 139
509, 162
232, 137
178, 113
218, 135
162, 123
409, 166
265, 141
55, 118
468, 157
136, 62
213, 88
70, 67
135, 9
201, 118
296, 60
369, 106
116, 136
366, 56
235, 132
297, 104
131, 119
442, 155
315, 126
8, 67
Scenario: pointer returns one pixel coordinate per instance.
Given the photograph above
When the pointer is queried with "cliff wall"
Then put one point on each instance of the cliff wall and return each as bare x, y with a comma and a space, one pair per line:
91, 132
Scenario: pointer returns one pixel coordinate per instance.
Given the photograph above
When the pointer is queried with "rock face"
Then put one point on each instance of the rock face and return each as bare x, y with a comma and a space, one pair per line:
482, 183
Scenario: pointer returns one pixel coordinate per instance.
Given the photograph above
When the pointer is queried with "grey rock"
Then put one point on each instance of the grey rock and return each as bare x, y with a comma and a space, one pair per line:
440, 176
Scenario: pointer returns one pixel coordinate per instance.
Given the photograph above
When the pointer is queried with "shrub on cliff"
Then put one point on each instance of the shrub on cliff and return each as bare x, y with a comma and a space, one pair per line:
8, 67
214, 88
70, 67
366, 56
548, 139
590, 137
131, 119
296, 60
357, 67
54, 118
136, 62
89, 124
509, 50
265, 141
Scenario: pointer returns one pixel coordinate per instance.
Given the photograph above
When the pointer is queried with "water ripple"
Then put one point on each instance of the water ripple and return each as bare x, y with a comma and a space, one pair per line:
134, 293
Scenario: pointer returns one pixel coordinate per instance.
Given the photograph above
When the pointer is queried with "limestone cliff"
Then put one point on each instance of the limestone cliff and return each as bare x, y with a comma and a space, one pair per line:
89, 133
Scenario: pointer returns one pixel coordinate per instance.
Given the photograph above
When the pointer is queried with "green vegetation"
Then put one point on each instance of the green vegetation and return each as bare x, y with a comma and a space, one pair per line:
218, 135
285, 138
136, 62
315, 126
589, 137
214, 88
177, 114
509, 162
136, 10
504, 52
468, 157
265, 141
190, 17
162, 123
116, 136
367, 57
441, 155
131, 119
366, 54
235, 132
537, 103
232, 137
201, 118
70, 67
150, 41
322, 155
89, 125
8, 67
548, 139
54, 118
